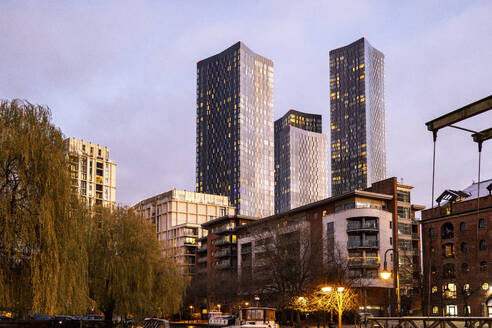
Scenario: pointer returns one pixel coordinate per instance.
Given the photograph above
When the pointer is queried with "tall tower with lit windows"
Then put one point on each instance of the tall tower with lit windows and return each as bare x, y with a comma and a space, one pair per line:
234, 129
357, 110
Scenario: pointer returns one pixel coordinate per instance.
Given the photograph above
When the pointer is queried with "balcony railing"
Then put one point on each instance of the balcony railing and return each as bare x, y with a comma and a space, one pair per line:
223, 253
221, 242
201, 260
202, 249
415, 236
363, 262
362, 226
224, 265
363, 244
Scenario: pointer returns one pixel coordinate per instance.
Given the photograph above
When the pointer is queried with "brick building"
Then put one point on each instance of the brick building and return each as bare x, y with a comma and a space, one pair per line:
456, 251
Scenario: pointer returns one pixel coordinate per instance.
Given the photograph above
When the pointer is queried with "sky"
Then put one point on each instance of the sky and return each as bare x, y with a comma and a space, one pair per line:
123, 74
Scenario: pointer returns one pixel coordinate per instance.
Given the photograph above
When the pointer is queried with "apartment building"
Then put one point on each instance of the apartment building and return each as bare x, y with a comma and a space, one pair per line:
178, 216
93, 173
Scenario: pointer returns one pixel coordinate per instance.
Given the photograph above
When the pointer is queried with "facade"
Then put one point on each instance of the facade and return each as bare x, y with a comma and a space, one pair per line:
93, 173
234, 135
405, 242
352, 229
178, 216
357, 111
456, 250
217, 257
301, 161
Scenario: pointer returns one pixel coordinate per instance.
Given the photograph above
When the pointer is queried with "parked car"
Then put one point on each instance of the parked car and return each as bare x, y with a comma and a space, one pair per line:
38, 316
4, 317
93, 317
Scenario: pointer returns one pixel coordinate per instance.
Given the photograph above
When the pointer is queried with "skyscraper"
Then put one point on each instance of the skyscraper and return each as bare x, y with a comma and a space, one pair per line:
301, 161
234, 134
358, 146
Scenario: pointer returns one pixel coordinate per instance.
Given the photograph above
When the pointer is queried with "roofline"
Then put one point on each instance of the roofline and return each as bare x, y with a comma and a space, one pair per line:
228, 217
417, 207
355, 193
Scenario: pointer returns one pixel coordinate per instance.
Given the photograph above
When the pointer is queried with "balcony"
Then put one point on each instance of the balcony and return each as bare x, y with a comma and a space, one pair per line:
223, 265
368, 262
202, 249
223, 253
363, 244
221, 242
202, 260
415, 236
366, 226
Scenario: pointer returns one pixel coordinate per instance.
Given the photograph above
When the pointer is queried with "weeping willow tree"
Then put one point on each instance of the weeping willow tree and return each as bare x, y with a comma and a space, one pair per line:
43, 258
127, 273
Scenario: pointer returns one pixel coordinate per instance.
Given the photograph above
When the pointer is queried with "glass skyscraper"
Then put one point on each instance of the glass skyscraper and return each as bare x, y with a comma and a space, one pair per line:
301, 161
357, 110
234, 134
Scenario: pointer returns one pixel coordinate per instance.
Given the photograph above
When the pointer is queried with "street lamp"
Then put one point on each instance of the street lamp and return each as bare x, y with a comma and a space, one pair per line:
386, 274
218, 305
246, 303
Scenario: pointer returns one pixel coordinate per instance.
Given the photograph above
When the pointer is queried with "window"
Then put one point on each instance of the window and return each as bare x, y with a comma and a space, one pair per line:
403, 212
404, 228
483, 266
447, 231
448, 250
464, 248
330, 227
451, 310
462, 226
431, 232
435, 309
448, 270
449, 291
466, 289
481, 223
464, 267
434, 289
485, 286
403, 196
482, 245
466, 310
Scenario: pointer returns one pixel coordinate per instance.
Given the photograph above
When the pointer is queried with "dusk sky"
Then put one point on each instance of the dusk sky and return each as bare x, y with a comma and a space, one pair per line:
123, 74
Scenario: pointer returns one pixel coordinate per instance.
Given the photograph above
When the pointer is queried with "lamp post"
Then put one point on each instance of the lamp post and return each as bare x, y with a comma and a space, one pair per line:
191, 313
257, 300
386, 274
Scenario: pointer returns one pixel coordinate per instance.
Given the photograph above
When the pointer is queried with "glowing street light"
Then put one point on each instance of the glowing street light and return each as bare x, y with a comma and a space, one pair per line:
246, 303
326, 289
385, 274
340, 289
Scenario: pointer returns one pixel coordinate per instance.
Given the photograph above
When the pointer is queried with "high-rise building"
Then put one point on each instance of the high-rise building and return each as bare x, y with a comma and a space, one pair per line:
357, 110
234, 134
177, 216
93, 173
301, 160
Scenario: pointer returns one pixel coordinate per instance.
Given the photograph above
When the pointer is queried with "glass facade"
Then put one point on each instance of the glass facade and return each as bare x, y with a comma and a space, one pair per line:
301, 161
234, 136
357, 111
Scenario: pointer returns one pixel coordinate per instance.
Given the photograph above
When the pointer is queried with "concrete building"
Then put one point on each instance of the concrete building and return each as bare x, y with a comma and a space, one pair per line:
456, 251
357, 112
178, 216
93, 173
301, 161
234, 134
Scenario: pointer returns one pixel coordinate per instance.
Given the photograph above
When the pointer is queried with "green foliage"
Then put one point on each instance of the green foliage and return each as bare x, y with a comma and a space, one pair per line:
43, 260
127, 272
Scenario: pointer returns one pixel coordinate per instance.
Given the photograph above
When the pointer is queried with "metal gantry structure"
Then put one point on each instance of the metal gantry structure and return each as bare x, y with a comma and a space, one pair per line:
456, 116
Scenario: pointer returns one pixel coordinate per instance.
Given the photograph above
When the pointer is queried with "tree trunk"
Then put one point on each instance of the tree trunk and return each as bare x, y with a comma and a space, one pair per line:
339, 319
108, 317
